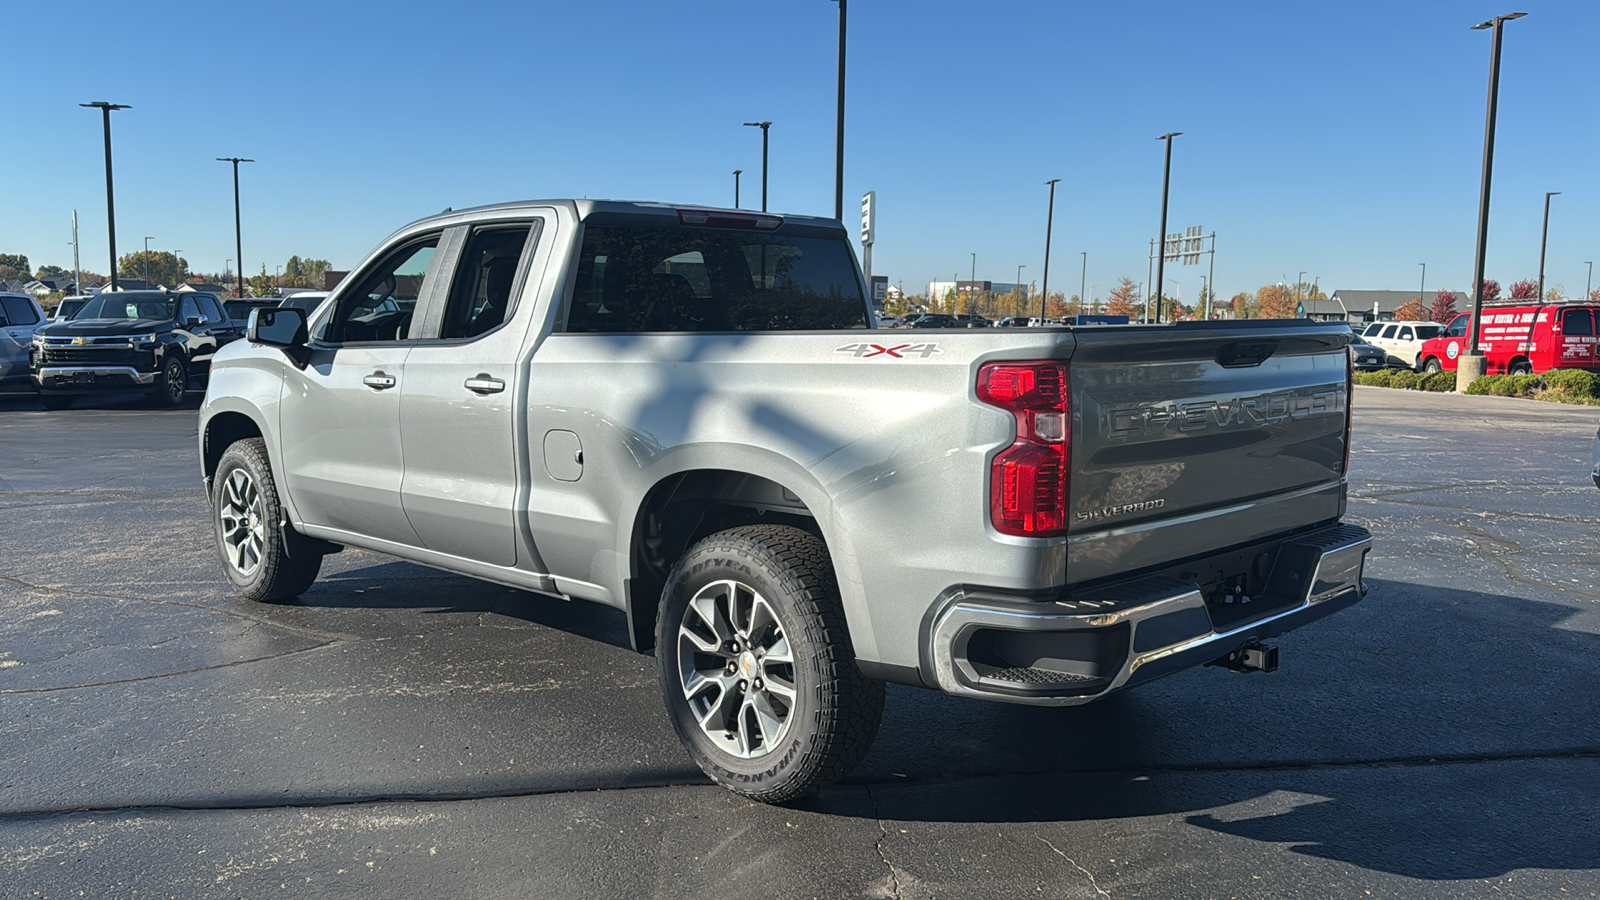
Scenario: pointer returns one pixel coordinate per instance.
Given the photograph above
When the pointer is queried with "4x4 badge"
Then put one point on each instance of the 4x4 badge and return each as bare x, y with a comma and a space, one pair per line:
893, 351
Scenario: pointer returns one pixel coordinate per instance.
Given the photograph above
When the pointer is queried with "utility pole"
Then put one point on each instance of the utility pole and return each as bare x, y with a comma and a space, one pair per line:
1422, 289
1472, 364
1587, 288
763, 126
1083, 282
736, 187
1161, 238
838, 162
77, 271
1544, 239
147, 241
1049, 222
111, 202
238, 239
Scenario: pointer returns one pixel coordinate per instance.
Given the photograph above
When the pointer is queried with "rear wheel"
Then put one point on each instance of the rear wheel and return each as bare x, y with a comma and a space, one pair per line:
1432, 366
171, 383
756, 668
252, 537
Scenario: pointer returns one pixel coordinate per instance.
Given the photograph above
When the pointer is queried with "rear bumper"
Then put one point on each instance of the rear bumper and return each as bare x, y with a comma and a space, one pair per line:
89, 379
1079, 649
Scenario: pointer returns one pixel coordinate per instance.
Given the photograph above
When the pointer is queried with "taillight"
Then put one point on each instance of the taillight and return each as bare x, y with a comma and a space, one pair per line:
723, 218
1028, 481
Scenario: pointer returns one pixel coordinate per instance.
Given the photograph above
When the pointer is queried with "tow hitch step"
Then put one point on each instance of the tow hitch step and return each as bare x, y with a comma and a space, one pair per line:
1254, 658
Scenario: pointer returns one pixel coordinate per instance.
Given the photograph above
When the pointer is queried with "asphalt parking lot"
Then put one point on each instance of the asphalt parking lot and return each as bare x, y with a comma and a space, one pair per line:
400, 732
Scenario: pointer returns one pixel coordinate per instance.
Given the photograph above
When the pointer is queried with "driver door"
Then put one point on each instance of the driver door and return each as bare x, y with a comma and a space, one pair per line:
340, 415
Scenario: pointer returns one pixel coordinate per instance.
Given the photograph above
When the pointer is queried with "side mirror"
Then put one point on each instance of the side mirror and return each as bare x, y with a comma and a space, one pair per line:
282, 327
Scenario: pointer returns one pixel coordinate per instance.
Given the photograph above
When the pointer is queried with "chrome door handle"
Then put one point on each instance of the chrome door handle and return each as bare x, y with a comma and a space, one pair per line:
483, 384
379, 381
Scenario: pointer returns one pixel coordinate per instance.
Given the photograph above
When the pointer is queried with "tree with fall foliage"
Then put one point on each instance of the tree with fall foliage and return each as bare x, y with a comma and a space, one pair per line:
1243, 305
1275, 301
1490, 292
1124, 299
1410, 311
1444, 307
1526, 289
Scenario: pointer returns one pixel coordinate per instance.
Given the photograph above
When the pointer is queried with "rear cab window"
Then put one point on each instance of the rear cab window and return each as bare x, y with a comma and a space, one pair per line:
676, 277
18, 311
1579, 322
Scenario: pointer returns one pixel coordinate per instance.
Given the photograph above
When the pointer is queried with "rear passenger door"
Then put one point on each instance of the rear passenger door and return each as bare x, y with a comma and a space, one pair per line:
1576, 345
463, 480
18, 320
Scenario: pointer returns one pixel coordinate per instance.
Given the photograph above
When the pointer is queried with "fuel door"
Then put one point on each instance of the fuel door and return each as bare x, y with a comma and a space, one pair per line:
563, 455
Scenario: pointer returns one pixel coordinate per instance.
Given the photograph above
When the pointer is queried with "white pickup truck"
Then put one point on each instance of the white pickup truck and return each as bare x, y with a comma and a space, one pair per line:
688, 415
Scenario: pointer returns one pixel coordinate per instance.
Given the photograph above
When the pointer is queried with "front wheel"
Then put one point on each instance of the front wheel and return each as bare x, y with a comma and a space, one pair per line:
1432, 366
171, 383
1521, 367
252, 538
756, 668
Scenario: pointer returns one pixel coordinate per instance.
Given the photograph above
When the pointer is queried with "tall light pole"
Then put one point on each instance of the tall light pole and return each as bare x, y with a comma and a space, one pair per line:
1589, 287
763, 126
1472, 364
736, 187
1544, 238
838, 157
147, 241
177, 263
238, 239
1049, 222
1422, 289
1019, 280
111, 202
1083, 282
1161, 237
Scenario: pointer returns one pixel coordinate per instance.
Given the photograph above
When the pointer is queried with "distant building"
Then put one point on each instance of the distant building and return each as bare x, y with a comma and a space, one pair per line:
205, 288
937, 289
1368, 306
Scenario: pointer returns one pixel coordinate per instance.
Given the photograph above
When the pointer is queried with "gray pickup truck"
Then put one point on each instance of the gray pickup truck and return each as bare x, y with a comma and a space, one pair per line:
687, 414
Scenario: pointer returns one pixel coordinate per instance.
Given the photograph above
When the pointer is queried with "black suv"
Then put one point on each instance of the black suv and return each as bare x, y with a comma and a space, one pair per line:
156, 341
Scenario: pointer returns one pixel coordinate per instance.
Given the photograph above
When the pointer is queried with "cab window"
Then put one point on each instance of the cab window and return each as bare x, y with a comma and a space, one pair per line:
1458, 327
188, 309
480, 297
17, 311
1389, 331
210, 311
1405, 333
380, 305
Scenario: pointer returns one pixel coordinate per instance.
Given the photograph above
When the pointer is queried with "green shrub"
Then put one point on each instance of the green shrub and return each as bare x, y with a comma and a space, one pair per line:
1505, 385
1481, 386
1442, 382
1573, 382
1374, 379
1404, 379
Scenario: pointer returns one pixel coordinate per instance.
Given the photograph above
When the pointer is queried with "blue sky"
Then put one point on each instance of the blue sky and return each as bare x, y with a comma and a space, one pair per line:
1342, 139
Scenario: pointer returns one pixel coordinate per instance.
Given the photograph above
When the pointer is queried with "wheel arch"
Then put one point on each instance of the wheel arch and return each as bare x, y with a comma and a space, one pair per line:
685, 505
221, 431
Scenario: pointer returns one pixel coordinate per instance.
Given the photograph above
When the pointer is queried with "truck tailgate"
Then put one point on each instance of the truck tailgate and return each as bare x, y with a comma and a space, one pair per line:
1201, 436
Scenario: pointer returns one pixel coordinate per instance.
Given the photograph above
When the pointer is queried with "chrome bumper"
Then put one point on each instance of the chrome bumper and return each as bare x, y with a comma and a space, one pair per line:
1077, 650
64, 377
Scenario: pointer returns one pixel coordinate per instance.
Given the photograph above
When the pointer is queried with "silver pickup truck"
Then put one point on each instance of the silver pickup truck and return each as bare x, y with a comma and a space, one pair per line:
687, 414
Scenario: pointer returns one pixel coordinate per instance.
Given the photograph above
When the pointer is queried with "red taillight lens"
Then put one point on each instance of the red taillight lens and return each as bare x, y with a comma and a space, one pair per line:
1028, 481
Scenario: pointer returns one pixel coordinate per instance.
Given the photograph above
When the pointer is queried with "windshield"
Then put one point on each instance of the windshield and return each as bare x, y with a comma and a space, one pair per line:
123, 306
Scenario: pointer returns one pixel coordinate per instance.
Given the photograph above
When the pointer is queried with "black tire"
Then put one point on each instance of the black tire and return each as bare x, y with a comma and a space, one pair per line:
274, 573
1521, 367
835, 710
56, 401
171, 384
1432, 366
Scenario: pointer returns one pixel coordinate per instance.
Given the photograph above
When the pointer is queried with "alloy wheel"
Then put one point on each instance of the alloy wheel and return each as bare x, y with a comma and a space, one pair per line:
244, 527
736, 669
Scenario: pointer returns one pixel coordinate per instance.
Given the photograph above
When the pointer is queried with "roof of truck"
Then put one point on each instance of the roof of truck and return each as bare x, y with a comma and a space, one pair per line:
584, 208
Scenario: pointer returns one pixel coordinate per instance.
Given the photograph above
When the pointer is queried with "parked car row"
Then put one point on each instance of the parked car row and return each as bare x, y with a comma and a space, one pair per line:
160, 342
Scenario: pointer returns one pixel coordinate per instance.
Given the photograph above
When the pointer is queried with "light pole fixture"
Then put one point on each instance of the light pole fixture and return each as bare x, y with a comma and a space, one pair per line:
1544, 239
1161, 236
147, 241
1473, 364
111, 202
736, 187
763, 126
238, 239
838, 153
1049, 222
